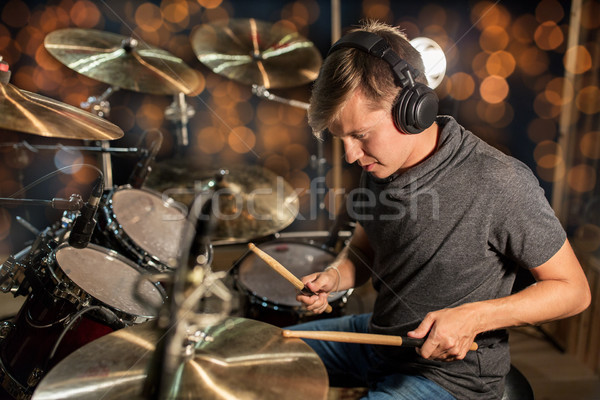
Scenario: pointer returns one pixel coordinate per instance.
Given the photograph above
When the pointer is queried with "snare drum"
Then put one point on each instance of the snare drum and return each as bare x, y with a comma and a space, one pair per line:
74, 281
143, 226
271, 298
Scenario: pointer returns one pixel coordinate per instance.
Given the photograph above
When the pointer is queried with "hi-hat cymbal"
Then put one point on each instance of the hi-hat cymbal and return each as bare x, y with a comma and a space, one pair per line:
238, 359
28, 112
251, 51
121, 61
251, 201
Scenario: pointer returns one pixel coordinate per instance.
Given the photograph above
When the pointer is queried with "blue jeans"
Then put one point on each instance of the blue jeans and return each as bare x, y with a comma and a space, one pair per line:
358, 365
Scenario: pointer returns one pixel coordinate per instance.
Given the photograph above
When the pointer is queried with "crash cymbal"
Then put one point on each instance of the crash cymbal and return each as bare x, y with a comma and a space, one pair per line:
121, 61
28, 112
251, 201
251, 51
238, 359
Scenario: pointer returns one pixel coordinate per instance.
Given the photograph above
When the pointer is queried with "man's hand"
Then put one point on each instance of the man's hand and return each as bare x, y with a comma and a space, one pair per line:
449, 333
321, 283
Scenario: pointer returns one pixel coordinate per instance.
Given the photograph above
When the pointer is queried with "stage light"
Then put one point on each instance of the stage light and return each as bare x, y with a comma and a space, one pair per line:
433, 58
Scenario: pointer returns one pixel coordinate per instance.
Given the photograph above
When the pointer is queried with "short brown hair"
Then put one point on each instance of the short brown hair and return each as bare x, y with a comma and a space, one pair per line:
347, 70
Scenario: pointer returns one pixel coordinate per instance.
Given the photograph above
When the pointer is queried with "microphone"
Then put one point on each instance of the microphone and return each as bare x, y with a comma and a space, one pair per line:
4, 72
142, 167
85, 223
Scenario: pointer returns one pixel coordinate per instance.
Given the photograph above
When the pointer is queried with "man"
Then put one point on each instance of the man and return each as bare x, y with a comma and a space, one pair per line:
443, 221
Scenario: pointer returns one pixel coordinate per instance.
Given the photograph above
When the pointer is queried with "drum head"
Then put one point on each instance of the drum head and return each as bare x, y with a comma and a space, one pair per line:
110, 279
155, 225
299, 258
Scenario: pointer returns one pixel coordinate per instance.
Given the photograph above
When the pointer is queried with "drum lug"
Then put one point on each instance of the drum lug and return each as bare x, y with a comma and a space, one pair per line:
5, 328
35, 377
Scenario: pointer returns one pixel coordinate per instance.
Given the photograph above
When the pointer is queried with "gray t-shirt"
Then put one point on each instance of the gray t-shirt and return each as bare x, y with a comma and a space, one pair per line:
449, 231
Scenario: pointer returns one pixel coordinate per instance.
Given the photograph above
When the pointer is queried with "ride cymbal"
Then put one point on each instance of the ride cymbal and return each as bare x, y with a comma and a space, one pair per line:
121, 61
249, 203
237, 359
251, 51
28, 112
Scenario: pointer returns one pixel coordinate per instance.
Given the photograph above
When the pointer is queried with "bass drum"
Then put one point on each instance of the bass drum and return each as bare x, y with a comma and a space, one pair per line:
78, 295
269, 297
143, 226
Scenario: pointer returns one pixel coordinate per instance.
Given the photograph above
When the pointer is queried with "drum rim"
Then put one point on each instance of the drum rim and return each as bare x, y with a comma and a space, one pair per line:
107, 251
341, 296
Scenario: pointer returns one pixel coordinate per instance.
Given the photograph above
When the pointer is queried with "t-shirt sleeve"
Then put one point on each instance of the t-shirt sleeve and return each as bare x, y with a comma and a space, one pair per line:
525, 227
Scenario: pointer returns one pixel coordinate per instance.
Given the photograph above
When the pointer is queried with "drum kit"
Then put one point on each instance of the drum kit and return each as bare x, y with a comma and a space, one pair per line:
120, 298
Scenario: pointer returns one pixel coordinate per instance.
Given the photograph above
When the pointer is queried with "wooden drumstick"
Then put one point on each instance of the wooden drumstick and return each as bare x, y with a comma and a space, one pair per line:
281, 270
364, 338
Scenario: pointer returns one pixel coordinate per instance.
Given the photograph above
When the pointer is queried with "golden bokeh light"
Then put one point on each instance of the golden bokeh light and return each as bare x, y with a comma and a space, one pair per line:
582, 178
532, 61
487, 13
241, 139
543, 108
377, 9
148, 17
85, 14
150, 116
497, 115
554, 174
548, 36
210, 140
588, 100
210, 4
549, 10
297, 155
493, 38
493, 89
462, 86
559, 91
589, 145
546, 148
523, 28
479, 64
500, 63
298, 180
582, 57
176, 12
268, 113
274, 137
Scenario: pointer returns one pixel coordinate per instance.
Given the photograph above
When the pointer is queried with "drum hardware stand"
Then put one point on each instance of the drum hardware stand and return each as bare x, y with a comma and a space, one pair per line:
100, 106
318, 161
192, 281
180, 112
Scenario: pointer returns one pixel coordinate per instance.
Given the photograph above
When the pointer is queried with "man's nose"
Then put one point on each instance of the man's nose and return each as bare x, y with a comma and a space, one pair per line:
352, 150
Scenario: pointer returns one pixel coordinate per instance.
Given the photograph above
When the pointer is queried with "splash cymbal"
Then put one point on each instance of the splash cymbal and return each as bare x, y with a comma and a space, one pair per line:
121, 61
251, 202
237, 359
28, 112
251, 51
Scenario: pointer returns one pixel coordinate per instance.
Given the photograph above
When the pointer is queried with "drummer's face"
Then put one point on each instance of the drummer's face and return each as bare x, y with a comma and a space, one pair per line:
371, 139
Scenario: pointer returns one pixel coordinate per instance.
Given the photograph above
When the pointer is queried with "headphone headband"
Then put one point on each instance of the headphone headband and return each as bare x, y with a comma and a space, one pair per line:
378, 47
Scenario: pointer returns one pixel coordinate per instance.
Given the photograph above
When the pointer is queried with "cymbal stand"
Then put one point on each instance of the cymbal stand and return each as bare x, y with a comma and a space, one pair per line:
101, 107
317, 161
180, 112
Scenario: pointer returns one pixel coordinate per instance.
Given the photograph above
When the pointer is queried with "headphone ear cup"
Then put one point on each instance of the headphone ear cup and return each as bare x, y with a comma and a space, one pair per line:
415, 109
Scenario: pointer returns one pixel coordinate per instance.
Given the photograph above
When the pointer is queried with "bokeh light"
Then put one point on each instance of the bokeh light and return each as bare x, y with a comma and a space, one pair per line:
590, 145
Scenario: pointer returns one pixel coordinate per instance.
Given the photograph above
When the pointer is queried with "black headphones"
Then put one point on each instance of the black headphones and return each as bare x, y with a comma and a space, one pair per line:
416, 106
